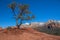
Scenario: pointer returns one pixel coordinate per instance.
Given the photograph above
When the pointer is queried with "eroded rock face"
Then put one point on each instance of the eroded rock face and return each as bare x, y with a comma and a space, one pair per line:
50, 28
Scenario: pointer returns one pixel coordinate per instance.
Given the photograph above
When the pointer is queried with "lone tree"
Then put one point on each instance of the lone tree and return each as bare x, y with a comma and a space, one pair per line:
23, 13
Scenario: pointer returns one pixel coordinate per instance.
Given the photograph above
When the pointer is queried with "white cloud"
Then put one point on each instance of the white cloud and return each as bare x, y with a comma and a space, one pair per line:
41, 23
26, 24
59, 21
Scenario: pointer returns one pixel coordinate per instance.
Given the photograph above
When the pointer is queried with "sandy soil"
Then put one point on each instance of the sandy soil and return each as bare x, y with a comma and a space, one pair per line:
26, 34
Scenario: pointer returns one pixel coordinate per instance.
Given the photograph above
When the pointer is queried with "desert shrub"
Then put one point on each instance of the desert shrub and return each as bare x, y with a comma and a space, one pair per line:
56, 31
53, 30
8, 28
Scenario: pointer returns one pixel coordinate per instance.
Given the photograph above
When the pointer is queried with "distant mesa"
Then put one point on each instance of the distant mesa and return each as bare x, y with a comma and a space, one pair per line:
53, 23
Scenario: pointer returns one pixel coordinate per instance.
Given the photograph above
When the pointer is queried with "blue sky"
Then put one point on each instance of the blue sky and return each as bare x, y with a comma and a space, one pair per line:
43, 10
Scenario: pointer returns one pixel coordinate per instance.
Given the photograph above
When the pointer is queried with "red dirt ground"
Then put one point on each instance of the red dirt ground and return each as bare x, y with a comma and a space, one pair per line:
25, 34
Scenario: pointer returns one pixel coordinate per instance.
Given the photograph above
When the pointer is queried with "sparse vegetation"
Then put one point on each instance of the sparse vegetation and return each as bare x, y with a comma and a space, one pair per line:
53, 30
22, 14
8, 28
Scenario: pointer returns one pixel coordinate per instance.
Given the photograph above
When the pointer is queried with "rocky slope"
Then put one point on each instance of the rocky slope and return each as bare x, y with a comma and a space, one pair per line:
25, 34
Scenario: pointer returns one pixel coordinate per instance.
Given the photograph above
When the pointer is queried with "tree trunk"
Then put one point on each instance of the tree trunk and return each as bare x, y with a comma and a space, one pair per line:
20, 24
20, 20
16, 22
